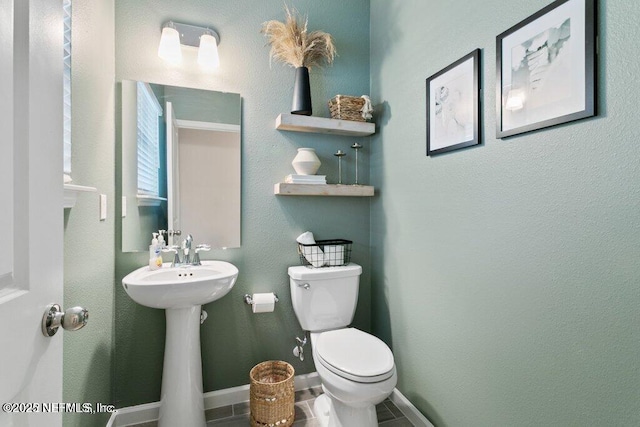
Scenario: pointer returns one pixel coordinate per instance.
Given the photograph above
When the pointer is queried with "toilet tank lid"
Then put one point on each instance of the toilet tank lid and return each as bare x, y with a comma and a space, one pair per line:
301, 272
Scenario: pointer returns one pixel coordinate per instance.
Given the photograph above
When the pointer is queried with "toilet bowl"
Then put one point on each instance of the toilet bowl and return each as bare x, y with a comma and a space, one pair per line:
356, 369
357, 372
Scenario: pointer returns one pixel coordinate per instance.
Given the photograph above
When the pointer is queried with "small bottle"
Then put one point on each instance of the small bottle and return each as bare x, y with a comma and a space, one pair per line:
155, 253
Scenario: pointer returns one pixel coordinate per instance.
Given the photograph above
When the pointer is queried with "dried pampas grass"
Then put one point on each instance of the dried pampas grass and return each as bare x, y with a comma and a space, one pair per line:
292, 44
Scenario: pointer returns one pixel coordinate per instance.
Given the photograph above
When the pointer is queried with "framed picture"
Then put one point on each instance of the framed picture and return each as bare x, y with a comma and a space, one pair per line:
546, 68
453, 106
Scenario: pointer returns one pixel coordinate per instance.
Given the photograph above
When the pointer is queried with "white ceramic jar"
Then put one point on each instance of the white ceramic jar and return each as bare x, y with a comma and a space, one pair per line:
306, 162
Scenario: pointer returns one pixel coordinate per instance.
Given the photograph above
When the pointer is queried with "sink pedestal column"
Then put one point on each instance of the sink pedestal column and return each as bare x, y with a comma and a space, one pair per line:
181, 399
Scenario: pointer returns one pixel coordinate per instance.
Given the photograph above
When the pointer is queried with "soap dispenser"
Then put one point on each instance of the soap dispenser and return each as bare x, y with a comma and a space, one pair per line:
155, 253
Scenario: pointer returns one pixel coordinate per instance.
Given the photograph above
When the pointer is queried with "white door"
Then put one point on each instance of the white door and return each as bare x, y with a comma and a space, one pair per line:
173, 176
31, 210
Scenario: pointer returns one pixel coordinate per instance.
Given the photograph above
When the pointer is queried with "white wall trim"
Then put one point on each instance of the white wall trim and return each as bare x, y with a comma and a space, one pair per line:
409, 411
147, 200
220, 127
233, 395
215, 399
71, 192
134, 415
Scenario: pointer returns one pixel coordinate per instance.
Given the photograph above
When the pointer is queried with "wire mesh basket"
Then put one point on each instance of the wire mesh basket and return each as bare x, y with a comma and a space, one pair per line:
325, 253
272, 394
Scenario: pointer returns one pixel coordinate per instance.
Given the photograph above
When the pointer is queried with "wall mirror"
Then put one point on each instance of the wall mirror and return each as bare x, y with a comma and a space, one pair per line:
181, 156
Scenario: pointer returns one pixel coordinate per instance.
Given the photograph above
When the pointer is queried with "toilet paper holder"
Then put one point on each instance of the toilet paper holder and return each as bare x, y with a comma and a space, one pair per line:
248, 299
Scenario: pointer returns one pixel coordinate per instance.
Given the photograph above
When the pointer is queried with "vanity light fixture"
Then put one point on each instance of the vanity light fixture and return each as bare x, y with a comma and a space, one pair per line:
205, 39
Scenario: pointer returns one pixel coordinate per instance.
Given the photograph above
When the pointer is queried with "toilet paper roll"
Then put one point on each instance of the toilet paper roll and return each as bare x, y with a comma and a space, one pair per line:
264, 303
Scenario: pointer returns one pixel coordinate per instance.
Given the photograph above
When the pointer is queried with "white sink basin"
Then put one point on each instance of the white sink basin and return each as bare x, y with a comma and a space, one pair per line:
181, 291
180, 287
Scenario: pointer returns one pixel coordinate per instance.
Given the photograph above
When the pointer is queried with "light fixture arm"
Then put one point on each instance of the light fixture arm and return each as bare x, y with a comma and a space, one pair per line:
190, 34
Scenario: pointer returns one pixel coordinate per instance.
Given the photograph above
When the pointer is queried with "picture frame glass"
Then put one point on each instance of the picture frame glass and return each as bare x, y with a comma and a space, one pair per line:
543, 72
453, 106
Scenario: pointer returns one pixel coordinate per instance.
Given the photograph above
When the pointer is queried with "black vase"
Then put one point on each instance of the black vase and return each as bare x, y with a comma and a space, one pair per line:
301, 93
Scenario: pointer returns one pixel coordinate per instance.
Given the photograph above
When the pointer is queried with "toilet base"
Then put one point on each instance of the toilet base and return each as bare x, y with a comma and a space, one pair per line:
333, 413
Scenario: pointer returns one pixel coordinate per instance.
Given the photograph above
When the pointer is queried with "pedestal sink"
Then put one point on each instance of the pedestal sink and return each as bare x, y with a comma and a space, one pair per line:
181, 291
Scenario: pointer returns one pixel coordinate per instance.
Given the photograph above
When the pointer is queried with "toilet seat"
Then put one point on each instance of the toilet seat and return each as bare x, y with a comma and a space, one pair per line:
355, 355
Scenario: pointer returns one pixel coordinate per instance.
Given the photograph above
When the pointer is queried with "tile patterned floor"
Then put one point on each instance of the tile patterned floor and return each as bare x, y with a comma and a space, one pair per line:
238, 415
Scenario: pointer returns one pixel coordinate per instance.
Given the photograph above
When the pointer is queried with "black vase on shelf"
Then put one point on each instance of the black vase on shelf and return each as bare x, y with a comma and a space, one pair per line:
301, 93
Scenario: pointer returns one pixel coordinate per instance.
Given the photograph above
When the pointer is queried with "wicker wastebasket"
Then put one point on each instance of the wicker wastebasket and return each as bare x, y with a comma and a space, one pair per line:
272, 394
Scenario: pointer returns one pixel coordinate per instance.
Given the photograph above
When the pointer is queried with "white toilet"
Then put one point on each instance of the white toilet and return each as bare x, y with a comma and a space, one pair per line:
356, 369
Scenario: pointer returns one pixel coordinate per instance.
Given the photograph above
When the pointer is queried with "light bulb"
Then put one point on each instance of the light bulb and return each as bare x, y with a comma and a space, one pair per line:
169, 48
208, 52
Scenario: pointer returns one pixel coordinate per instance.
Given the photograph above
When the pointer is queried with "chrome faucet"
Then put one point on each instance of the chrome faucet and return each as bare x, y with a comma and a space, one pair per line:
189, 257
186, 249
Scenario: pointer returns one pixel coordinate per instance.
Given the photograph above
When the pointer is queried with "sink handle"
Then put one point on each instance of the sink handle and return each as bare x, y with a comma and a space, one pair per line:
196, 257
176, 251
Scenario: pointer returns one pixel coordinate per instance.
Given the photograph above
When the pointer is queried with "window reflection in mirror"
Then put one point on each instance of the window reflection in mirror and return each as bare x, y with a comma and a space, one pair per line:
195, 185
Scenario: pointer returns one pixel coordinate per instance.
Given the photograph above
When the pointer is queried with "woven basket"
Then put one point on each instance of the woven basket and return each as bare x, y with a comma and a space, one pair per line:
272, 394
346, 108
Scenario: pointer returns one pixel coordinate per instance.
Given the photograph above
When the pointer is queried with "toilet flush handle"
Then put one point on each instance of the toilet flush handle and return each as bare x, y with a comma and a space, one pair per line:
304, 285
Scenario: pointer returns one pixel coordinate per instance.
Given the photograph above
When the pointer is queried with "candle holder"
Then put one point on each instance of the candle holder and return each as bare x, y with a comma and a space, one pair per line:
340, 154
356, 147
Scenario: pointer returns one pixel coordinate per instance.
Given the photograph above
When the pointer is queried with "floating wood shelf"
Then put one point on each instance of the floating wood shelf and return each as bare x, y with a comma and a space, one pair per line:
284, 189
298, 123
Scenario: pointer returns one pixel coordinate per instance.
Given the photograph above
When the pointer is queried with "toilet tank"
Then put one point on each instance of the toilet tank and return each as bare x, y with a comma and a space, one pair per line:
324, 298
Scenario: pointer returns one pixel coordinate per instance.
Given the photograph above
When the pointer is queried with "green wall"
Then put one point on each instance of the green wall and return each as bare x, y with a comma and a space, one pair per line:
89, 255
233, 339
505, 276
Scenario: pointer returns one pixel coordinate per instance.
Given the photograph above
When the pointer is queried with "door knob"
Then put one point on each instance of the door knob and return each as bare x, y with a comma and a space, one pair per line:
71, 319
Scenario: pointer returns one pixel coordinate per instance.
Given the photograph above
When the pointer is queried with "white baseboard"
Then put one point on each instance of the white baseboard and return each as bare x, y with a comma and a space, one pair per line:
132, 415
230, 396
409, 411
233, 395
